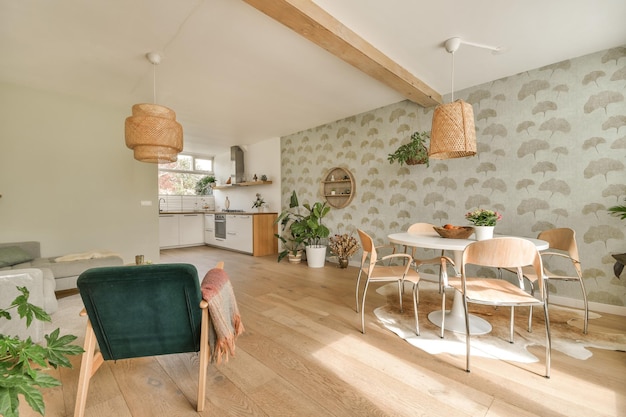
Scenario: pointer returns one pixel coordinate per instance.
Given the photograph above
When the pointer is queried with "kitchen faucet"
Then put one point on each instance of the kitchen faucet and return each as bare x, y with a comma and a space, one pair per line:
161, 200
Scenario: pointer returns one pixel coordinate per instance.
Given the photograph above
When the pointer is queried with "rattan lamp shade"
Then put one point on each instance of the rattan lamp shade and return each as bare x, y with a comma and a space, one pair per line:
153, 134
453, 132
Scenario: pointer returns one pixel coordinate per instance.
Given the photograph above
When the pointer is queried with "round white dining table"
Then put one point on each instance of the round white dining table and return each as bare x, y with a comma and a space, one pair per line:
455, 317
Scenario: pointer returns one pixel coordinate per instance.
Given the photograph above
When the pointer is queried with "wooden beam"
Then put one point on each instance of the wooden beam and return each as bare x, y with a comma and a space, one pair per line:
315, 24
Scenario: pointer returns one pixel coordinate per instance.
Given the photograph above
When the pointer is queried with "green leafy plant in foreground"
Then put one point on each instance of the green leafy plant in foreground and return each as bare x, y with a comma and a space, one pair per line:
23, 363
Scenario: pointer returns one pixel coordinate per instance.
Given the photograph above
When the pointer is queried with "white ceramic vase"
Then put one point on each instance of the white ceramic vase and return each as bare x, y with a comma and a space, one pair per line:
483, 232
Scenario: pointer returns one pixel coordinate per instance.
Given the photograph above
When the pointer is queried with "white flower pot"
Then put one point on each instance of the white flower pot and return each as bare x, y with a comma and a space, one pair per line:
483, 232
316, 256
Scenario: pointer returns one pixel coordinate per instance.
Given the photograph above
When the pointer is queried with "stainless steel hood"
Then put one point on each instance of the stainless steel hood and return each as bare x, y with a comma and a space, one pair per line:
237, 171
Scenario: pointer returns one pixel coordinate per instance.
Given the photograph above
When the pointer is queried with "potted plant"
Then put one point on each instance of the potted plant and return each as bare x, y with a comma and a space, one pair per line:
484, 222
292, 244
412, 153
259, 202
204, 186
23, 363
308, 227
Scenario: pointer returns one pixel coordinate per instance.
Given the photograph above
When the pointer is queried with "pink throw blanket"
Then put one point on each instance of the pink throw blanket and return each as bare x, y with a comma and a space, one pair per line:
225, 320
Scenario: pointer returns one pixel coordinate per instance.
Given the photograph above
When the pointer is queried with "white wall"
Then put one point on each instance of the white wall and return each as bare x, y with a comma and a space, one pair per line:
68, 180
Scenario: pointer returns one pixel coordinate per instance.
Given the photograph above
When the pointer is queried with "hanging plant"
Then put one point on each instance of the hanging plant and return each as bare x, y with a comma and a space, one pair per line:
414, 152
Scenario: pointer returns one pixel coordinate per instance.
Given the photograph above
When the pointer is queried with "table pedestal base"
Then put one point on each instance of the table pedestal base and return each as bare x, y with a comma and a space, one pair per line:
455, 319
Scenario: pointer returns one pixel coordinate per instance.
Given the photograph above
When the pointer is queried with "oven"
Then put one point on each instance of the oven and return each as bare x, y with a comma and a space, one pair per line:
220, 226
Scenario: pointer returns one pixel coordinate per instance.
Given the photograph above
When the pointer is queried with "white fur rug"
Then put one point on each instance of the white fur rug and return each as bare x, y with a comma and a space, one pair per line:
565, 327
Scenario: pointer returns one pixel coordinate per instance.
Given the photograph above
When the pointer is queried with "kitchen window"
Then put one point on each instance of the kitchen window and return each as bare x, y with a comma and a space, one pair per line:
181, 177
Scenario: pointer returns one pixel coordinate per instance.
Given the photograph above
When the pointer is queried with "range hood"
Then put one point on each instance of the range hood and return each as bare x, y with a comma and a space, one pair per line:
237, 171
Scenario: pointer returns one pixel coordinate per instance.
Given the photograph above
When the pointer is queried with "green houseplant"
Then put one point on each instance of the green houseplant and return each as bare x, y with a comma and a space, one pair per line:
414, 152
306, 226
204, 184
23, 363
292, 244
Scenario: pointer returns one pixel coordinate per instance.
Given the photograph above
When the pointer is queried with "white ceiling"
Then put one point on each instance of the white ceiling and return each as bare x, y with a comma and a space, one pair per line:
234, 76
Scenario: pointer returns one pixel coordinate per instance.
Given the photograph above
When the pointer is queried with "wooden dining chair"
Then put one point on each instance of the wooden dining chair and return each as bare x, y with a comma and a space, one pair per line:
428, 229
138, 311
375, 271
563, 246
505, 252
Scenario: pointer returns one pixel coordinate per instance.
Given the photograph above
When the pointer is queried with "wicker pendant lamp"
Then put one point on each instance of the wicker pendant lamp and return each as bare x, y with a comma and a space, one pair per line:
152, 132
453, 133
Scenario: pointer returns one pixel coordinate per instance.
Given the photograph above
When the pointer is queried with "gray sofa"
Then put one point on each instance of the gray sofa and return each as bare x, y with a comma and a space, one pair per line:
65, 273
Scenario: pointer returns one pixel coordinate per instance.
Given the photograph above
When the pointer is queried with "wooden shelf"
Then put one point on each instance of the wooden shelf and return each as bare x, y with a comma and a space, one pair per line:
341, 179
241, 184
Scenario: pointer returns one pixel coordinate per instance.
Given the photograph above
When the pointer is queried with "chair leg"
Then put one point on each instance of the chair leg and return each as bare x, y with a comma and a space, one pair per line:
400, 292
530, 312
548, 339
443, 311
586, 306
511, 324
467, 334
89, 364
415, 304
358, 282
363, 307
204, 357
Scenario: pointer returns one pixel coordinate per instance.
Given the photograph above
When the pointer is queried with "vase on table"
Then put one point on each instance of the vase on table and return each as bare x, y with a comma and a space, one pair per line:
483, 232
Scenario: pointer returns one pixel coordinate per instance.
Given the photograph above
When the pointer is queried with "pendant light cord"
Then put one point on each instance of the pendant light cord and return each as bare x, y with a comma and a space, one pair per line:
154, 83
452, 101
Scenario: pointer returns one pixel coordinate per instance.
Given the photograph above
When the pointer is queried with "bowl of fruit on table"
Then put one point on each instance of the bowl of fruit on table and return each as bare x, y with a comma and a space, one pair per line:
450, 231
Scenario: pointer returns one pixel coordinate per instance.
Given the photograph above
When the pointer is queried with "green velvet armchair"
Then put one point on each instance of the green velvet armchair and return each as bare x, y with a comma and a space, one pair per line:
137, 311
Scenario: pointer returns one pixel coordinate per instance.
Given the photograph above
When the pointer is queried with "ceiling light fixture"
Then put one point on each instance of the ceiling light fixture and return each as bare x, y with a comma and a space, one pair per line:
152, 132
453, 133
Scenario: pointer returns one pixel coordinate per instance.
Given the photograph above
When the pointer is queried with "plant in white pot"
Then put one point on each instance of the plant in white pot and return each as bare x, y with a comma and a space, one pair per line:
309, 228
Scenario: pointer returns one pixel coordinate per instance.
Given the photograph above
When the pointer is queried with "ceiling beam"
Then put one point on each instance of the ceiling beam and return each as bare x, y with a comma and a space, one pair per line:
315, 24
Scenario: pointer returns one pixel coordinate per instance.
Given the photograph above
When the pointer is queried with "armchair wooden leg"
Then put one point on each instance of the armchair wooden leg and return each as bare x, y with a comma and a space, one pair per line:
89, 364
204, 355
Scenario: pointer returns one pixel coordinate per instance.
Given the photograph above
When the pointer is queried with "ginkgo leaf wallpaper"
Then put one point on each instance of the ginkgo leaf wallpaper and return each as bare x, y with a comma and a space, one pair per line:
551, 152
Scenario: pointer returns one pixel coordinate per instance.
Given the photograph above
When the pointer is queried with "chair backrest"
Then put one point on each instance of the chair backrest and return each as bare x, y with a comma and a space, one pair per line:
421, 229
367, 244
563, 239
504, 252
144, 310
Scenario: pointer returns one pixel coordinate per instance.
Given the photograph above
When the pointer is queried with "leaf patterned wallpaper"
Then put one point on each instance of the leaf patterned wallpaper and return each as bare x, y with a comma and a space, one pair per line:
551, 153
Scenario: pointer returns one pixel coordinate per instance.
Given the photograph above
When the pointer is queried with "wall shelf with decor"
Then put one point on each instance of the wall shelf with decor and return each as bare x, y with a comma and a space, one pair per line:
338, 187
241, 184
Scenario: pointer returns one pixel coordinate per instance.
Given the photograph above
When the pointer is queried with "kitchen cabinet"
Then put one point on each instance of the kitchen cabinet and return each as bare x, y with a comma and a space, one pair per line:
168, 230
209, 229
180, 230
248, 233
239, 232
190, 229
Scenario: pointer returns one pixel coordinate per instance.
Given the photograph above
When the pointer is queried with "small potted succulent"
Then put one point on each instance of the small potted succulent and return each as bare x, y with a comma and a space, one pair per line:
412, 153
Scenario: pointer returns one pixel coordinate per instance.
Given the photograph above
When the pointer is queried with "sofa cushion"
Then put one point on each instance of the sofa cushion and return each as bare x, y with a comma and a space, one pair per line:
13, 255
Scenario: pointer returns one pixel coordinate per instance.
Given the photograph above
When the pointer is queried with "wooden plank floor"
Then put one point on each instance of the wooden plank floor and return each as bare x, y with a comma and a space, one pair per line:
303, 355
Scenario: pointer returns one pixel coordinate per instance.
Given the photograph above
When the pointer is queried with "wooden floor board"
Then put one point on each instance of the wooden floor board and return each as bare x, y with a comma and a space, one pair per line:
303, 354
